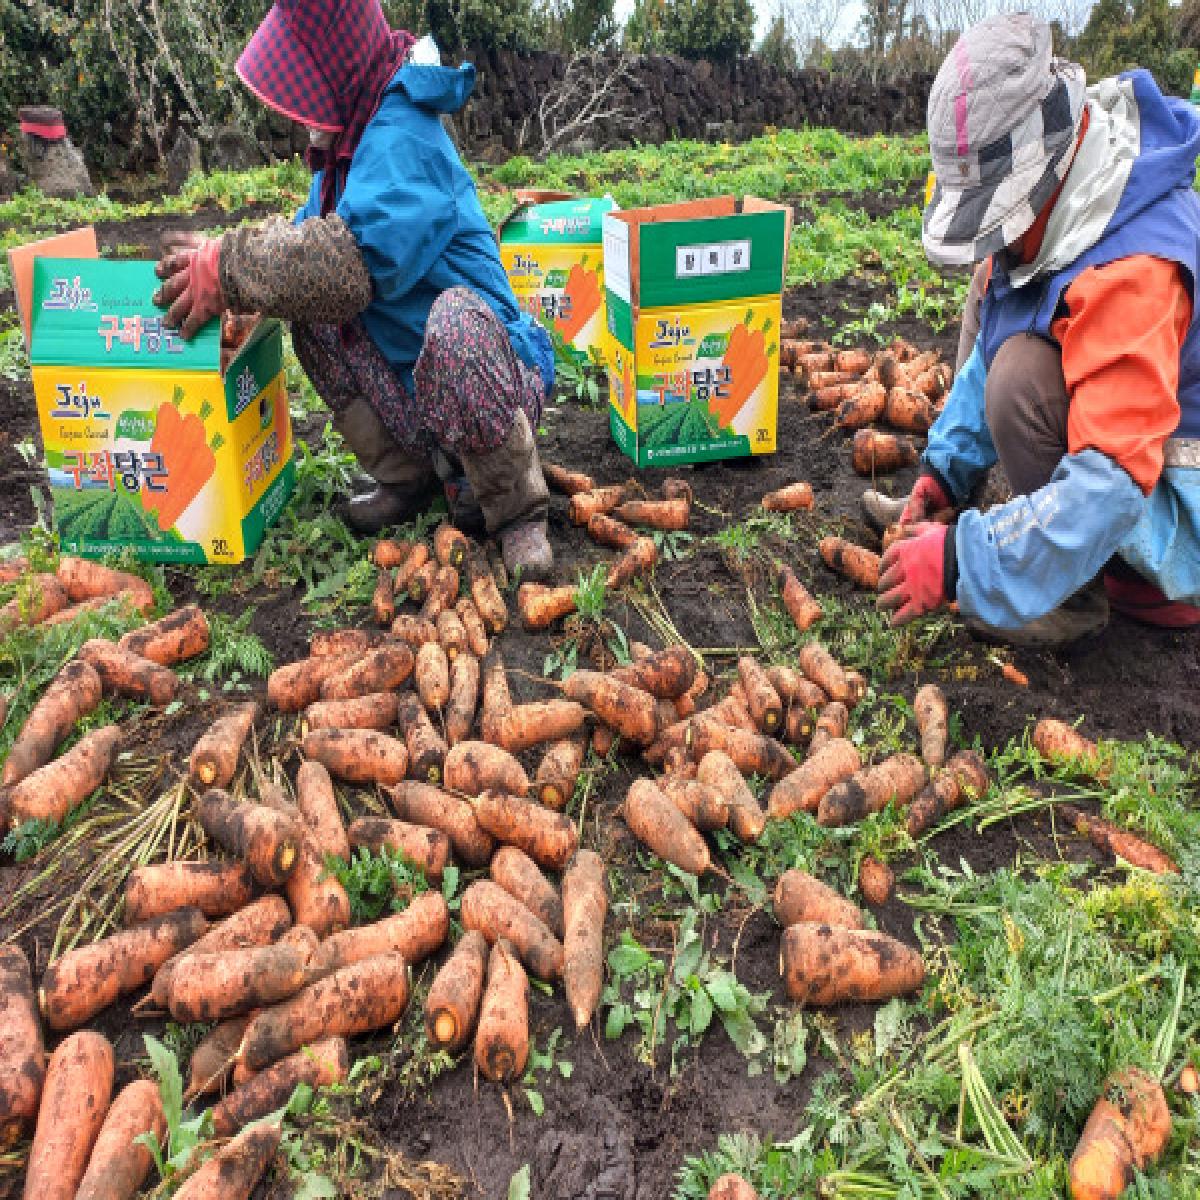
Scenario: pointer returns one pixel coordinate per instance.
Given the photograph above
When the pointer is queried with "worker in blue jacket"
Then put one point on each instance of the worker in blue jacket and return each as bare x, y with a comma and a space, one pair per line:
401, 313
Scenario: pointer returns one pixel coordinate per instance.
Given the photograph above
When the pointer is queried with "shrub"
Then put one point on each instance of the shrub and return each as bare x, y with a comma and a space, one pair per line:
715, 29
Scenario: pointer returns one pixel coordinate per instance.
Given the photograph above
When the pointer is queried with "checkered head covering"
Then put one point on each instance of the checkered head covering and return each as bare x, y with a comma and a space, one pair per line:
325, 64
1004, 115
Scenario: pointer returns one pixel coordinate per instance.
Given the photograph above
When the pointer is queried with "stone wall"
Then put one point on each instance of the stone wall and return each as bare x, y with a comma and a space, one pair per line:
669, 97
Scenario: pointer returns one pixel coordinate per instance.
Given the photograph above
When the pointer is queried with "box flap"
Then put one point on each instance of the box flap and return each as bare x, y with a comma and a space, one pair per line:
75, 243
561, 222
99, 313
753, 204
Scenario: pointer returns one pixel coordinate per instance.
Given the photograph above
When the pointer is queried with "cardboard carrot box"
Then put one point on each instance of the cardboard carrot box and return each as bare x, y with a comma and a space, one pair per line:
179, 451
552, 251
694, 303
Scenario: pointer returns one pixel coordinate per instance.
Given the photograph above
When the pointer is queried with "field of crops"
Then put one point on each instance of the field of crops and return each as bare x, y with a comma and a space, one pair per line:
1050, 963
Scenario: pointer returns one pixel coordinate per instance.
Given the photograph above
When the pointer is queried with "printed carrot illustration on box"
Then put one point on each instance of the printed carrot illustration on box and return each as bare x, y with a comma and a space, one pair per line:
187, 459
748, 359
580, 302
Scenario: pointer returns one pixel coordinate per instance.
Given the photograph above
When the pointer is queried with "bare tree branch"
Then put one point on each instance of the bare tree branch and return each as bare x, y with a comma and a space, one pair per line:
591, 96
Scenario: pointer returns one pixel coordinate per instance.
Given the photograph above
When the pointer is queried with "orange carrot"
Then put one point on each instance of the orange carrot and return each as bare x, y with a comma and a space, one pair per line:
1127, 1130
663, 829
747, 820
1058, 743
383, 599
965, 778
416, 933
175, 638
380, 670
389, 553
796, 689
426, 747
127, 674
824, 965
876, 880
1119, 842
297, 685
502, 1037
88, 979
831, 724
366, 995
558, 772
567, 482
420, 584
609, 532
234, 1171
804, 789
433, 676
40, 598
1014, 675
212, 1060
452, 633
522, 879
793, 497
656, 514
497, 701
752, 753
539, 605
801, 606
820, 666
856, 563
529, 725
897, 779
464, 698
120, 1162
426, 848
629, 711
22, 1051
908, 411
585, 905
876, 453
452, 1005
486, 594
488, 908
318, 806
230, 982
421, 804
376, 710
75, 1100
862, 406
74, 693
319, 1065
766, 708
472, 622
584, 505
801, 897
449, 546
547, 837
413, 630
267, 841
52, 792
84, 580
316, 897
358, 755
701, 803
407, 570
640, 559
933, 723
731, 1187
665, 674
215, 888
214, 757
475, 767
734, 710
339, 643
443, 592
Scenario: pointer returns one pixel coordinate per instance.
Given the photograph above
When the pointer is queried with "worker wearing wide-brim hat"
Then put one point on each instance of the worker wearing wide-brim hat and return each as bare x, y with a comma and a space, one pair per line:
1079, 359
402, 315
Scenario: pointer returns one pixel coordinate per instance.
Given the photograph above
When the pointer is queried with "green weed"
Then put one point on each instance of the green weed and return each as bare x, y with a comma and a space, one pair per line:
543, 1061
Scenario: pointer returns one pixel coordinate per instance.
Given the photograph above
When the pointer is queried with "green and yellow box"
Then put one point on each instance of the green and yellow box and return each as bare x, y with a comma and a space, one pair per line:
552, 252
179, 451
694, 302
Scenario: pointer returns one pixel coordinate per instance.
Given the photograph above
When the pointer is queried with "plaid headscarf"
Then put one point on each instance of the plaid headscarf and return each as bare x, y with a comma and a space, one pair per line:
325, 64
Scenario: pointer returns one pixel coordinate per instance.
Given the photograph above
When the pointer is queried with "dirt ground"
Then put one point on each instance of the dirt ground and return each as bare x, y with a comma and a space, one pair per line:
616, 1130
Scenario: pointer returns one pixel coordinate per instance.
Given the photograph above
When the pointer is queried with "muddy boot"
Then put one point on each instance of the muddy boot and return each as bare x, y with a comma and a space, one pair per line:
465, 513
880, 510
1079, 616
510, 488
404, 484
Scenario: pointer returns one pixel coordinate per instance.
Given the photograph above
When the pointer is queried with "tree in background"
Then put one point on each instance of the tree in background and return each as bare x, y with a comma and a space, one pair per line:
482, 24
720, 30
776, 48
1121, 34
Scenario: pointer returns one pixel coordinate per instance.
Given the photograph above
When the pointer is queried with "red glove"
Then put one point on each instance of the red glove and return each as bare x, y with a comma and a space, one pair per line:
191, 292
927, 497
912, 575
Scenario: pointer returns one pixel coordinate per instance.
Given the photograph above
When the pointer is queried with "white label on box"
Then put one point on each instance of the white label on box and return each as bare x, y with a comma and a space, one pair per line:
616, 257
689, 261
719, 258
714, 260
737, 256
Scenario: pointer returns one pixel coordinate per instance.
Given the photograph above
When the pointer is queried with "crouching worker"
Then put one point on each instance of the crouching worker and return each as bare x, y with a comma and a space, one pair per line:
401, 313
1080, 356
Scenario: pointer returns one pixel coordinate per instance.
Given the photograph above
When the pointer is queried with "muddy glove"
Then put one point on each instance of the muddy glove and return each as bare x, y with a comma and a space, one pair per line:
191, 291
912, 575
927, 497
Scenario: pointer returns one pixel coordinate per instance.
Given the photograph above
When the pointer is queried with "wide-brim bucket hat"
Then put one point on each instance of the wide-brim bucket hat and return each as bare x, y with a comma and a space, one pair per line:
1004, 117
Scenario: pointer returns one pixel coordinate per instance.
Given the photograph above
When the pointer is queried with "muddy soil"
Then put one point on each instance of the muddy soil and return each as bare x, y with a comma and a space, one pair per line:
618, 1128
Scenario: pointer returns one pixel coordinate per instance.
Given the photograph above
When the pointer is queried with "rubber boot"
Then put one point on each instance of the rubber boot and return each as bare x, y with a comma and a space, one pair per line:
404, 483
1079, 616
511, 490
881, 510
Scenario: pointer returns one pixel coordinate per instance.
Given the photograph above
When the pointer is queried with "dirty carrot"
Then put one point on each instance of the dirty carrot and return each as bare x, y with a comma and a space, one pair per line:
610, 532
627, 710
215, 888
73, 693
669, 515
366, 995
789, 499
475, 767
583, 505
452, 1004
747, 820
52, 792
549, 838
317, 802
416, 933
875, 453
701, 803
528, 725
488, 908
663, 829
315, 895
472, 622
75, 1100
856, 563
413, 630
389, 553
824, 965
452, 633
502, 1036
87, 979
339, 643
267, 841
383, 599
585, 906
120, 1161
823, 669
802, 897
426, 848
522, 879
908, 411
377, 710
421, 804
876, 880
497, 701
214, 757
665, 674
639, 559
1058, 743
897, 779
964, 778
752, 753
795, 688
831, 723
172, 639
407, 570
766, 708
234, 1171
865, 404
227, 983
84, 580
426, 747
124, 673
801, 607
449, 546
380, 670
443, 592
464, 698
420, 583
212, 1059
539, 605
567, 482
297, 685
486, 594
22, 1051
933, 723
804, 788
1119, 842
558, 772
731, 1187
358, 755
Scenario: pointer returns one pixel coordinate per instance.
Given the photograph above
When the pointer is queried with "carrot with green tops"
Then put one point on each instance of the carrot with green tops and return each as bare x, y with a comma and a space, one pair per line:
213, 1058
608, 531
731, 1187
802, 897
316, 896
421, 804
426, 747
234, 1171
22, 1050
933, 723
53, 792
803, 789
452, 1004
670, 515
747, 820
124, 673
75, 1100
452, 633
215, 888
358, 755
388, 553
502, 1035
475, 767
558, 772
585, 906
549, 838
87, 979
529, 725
214, 758
663, 829
416, 933
964, 778
40, 597
1119, 842
823, 669
120, 1160
752, 752
85, 580
627, 710
824, 965
566, 482
540, 606
297, 685
486, 594
1058, 743
701, 803
896, 780
792, 498
464, 698
522, 879
488, 908
856, 563
426, 848
376, 710
231, 982
472, 622
74, 692
366, 995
